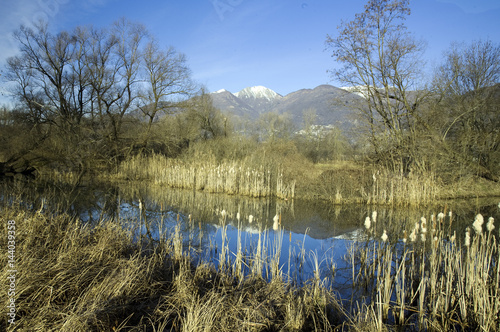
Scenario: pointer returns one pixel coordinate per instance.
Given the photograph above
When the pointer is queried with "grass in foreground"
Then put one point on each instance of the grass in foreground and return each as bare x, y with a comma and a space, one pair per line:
72, 277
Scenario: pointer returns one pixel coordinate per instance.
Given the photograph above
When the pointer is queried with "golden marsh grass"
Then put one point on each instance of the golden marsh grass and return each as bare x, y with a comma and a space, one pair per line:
76, 277
73, 277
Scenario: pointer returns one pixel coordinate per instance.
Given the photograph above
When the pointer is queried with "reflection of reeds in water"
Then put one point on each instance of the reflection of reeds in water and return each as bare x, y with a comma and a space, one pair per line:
204, 207
230, 177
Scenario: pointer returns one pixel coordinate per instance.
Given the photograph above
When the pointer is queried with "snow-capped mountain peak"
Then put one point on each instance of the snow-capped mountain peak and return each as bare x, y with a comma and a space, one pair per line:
220, 91
256, 92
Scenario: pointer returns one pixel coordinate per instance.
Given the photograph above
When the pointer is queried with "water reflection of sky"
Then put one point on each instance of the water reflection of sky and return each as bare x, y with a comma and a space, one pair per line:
308, 230
319, 228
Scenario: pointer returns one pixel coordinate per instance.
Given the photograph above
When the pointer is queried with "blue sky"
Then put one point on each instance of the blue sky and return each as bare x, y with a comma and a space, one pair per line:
233, 44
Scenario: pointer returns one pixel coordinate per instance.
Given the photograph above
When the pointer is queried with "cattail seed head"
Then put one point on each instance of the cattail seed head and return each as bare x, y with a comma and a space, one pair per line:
489, 225
440, 216
250, 219
413, 236
404, 236
423, 224
467, 237
384, 236
367, 223
478, 224
374, 216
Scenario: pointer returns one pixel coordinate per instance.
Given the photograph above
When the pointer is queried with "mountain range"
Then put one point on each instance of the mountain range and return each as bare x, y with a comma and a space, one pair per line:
329, 103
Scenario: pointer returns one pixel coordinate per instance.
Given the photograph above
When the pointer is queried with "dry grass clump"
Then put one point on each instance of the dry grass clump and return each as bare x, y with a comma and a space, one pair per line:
72, 277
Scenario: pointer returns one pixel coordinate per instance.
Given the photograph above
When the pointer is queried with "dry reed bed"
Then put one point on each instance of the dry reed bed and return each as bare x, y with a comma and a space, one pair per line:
397, 188
72, 277
429, 279
380, 187
231, 177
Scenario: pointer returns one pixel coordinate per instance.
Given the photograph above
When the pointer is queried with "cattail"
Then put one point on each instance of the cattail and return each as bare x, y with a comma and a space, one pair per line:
478, 224
374, 216
467, 237
238, 216
453, 237
250, 219
440, 216
423, 224
367, 223
489, 225
404, 236
422, 237
413, 235
384, 236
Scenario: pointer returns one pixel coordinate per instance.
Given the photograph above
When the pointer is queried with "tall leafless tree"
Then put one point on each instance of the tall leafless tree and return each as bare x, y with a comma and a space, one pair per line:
87, 83
381, 61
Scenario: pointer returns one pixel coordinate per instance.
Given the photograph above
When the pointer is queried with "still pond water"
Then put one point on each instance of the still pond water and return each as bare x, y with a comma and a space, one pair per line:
298, 231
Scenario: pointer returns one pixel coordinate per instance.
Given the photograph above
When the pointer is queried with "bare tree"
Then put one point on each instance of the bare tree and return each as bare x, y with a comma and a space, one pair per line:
467, 84
166, 79
205, 120
42, 72
380, 60
87, 83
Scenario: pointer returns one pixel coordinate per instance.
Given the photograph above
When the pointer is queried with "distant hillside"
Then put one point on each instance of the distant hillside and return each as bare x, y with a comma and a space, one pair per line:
330, 104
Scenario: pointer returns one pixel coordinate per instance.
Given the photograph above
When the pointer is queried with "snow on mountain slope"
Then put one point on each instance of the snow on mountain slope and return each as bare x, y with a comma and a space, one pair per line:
256, 92
220, 91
